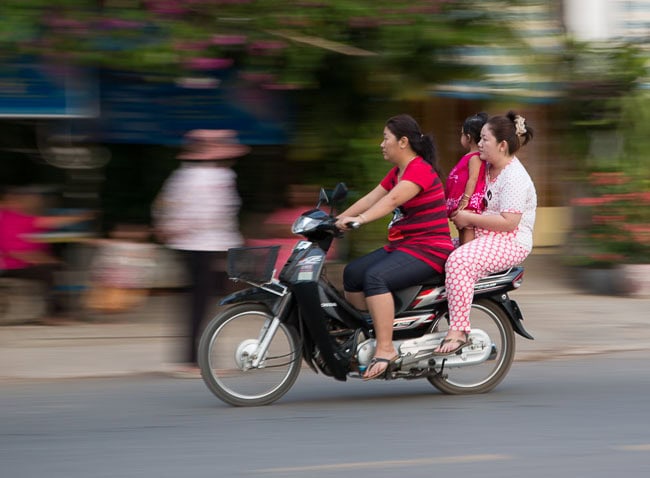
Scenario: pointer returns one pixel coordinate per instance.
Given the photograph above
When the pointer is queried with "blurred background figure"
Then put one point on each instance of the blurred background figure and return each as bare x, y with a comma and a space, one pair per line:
275, 229
196, 212
25, 251
122, 270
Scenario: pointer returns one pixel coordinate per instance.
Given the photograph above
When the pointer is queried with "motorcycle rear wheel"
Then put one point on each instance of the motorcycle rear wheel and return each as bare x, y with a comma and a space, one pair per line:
225, 357
489, 317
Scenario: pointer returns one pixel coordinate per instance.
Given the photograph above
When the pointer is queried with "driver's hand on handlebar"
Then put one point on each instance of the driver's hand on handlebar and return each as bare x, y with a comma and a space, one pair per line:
344, 223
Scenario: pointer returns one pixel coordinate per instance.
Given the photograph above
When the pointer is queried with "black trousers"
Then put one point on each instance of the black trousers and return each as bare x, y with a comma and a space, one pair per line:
207, 280
380, 272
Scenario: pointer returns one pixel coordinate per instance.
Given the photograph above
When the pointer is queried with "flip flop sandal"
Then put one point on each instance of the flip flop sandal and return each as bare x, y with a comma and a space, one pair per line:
382, 373
461, 343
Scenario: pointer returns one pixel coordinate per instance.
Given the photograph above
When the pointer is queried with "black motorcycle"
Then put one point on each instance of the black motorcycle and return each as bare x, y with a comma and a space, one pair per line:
251, 353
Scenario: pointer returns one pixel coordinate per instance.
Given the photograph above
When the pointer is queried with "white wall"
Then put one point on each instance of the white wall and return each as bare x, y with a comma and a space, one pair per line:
591, 20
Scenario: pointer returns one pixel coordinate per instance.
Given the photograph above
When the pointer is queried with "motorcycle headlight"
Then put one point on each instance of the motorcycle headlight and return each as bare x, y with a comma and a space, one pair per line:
304, 224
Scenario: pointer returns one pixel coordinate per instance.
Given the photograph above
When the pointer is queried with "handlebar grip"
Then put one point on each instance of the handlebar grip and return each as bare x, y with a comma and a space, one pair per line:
353, 225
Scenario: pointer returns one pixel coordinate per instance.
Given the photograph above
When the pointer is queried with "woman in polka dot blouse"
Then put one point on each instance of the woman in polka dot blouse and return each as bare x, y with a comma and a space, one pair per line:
504, 230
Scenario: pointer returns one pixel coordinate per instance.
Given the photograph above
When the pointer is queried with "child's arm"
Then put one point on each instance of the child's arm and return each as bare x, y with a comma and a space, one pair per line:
474, 167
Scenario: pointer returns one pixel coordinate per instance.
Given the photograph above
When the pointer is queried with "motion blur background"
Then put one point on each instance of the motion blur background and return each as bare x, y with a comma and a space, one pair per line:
95, 97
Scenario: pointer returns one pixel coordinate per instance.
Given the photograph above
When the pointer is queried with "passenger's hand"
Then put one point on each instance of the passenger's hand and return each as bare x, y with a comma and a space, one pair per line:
462, 219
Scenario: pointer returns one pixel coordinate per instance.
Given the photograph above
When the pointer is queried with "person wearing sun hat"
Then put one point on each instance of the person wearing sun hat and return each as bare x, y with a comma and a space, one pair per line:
196, 213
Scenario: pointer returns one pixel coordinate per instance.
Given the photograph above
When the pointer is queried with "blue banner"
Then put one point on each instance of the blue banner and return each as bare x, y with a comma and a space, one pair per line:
30, 89
139, 110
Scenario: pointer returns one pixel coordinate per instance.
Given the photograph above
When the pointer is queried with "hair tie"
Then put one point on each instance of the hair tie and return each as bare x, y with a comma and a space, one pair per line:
520, 125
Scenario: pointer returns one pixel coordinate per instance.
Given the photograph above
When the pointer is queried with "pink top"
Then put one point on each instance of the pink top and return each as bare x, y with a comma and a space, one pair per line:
14, 227
455, 186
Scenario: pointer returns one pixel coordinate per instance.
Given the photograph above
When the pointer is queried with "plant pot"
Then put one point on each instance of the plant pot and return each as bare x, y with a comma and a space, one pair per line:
637, 279
602, 281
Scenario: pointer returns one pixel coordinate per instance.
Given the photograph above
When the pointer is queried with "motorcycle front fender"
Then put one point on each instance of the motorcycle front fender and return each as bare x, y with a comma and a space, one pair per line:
252, 294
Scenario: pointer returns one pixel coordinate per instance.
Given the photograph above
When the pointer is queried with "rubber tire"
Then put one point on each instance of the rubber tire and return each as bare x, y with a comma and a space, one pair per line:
204, 357
501, 317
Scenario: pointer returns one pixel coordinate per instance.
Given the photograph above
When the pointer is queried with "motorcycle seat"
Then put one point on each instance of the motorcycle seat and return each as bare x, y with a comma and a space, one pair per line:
439, 279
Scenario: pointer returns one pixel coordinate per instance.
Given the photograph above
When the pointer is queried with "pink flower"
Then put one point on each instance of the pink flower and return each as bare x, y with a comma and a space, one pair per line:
608, 179
119, 23
607, 219
67, 24
607, 257
209, 63
191, 45
295, 22
268, 47
363, 22
256, 76
165, 7
588, 201
640, 232
228, 40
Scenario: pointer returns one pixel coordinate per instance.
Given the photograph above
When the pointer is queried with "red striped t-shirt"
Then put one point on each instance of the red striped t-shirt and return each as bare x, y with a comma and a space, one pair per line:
419, 226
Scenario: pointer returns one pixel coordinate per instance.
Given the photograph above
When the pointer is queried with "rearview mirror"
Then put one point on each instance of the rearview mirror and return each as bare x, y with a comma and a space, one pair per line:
340, 193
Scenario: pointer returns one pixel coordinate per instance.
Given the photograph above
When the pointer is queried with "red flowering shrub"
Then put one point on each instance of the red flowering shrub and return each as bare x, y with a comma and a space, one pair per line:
613, 222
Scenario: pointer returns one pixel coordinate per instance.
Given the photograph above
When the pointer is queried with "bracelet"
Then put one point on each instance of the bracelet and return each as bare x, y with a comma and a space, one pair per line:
465, 196
363, 218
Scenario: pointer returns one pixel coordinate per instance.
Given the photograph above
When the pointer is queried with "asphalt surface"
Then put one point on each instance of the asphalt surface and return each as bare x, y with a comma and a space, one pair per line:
564, 320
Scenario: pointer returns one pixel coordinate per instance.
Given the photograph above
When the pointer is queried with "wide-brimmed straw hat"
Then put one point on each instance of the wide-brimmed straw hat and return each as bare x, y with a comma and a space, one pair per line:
212, 145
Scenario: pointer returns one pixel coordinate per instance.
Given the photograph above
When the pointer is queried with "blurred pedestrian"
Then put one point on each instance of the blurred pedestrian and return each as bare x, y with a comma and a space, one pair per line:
465, 183
22, 254
504, 230
196, 213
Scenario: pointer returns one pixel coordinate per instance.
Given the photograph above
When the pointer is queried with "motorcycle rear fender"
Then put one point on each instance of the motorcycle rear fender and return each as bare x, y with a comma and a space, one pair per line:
514, 314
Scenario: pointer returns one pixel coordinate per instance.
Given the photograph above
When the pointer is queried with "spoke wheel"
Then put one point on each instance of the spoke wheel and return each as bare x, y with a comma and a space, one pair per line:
489, 317
227, 350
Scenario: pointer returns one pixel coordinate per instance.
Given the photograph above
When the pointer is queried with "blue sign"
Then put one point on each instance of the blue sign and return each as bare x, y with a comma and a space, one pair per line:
145, 111
29, 89
120, 107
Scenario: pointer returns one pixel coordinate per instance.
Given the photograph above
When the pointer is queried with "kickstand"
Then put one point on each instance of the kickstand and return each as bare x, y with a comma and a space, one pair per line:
442, 369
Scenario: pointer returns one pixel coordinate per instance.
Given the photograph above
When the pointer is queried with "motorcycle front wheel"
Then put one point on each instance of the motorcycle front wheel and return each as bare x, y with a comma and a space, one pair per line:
227, 350
489, 317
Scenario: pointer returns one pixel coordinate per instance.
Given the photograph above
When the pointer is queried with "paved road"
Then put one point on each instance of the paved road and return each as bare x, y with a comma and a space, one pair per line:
583, 417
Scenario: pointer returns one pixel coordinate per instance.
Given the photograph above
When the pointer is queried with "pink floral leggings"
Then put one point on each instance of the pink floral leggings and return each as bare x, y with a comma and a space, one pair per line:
490, 252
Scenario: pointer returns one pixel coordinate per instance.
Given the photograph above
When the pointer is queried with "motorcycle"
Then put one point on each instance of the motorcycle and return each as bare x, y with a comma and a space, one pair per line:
251, 353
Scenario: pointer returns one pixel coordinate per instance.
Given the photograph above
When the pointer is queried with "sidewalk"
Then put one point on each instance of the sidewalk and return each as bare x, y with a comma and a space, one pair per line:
147, 340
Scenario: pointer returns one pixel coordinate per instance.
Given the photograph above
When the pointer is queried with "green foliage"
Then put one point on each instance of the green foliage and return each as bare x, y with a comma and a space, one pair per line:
613, 213
285, 40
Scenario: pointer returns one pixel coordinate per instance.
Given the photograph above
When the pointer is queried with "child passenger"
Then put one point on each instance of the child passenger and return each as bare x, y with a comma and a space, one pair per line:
465, 184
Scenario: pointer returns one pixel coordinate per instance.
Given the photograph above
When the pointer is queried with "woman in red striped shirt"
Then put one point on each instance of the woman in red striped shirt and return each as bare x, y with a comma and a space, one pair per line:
419, 240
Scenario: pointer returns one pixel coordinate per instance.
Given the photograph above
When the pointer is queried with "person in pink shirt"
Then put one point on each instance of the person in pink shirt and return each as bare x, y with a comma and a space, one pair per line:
465, 185
22, 257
